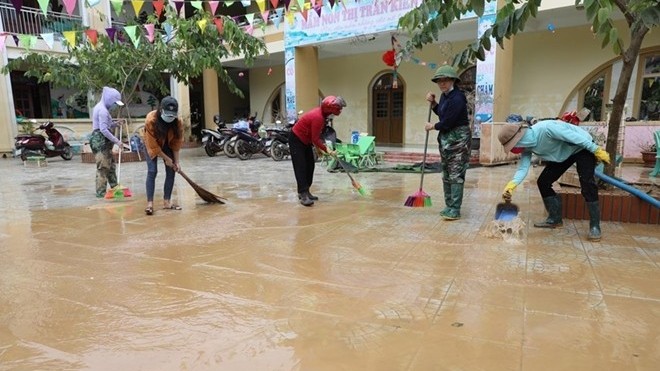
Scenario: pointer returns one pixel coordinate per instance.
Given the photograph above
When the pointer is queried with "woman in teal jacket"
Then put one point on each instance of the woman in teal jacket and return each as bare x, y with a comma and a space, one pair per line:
561, 145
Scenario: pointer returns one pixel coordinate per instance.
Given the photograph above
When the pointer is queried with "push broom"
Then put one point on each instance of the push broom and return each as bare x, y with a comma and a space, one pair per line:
421, 198
358, 187
119, 191
203, 193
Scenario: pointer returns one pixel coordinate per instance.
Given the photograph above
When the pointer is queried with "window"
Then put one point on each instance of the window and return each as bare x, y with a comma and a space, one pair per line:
649, 103
592, 98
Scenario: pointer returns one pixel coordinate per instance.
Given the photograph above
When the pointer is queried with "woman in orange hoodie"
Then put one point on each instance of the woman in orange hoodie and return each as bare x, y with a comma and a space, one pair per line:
163, 137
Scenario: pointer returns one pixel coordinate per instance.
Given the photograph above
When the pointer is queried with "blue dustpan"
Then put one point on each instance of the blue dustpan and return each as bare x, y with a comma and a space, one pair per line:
506, 211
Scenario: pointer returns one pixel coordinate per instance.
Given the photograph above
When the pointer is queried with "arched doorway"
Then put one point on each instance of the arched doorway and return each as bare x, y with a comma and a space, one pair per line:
387, 110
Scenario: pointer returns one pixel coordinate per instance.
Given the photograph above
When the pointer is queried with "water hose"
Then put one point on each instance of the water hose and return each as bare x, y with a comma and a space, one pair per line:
630, 189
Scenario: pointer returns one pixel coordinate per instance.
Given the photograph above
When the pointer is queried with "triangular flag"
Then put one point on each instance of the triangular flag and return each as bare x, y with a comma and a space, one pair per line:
250, 18
93, 3
262, 5
332, 3
246, 3
168, 31
219, 24
70, 6
277, 20
196, 4
111, 33
116, 5
228, 3
178, 5
43, 5
15, 38
202, 24
92, 36
287, 3
264, 15
317, 9
132, 34
249, 30
27, 41
274, 3
158, 7
18, 4
150, 27
70, 37
137, 5
290, 17
49, 39
304, 14
301, 6
214, 6
2, 41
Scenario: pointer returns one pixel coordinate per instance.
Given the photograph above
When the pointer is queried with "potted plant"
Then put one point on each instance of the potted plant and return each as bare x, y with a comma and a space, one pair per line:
649, 151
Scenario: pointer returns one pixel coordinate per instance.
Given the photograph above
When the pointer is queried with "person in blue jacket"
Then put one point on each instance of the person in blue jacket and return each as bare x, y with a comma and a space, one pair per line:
560, 145
454, 137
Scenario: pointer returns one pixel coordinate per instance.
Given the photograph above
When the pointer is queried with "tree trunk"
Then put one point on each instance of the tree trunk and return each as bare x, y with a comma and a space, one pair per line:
630, 56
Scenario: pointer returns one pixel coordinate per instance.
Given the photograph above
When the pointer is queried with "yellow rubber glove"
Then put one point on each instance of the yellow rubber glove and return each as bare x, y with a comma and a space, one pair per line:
508, 190
602, 156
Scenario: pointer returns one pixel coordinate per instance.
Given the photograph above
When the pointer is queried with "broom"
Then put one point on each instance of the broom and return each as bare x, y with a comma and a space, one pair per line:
203, 194
361, 190
119, 192
421, 198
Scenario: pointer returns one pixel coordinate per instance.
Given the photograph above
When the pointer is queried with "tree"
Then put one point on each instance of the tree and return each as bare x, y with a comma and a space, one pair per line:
426, 21
185, 54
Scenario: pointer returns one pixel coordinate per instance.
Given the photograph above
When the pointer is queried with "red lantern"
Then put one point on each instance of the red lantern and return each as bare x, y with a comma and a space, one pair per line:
388, 58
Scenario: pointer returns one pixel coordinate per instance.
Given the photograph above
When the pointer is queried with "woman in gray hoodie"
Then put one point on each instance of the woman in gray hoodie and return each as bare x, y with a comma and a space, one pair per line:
102, 139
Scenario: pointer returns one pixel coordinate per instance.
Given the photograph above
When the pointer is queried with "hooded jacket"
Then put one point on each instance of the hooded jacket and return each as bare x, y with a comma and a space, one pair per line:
101, 118
551, 140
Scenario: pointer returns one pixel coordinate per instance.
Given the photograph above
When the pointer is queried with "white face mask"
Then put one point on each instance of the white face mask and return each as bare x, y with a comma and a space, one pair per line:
167, 118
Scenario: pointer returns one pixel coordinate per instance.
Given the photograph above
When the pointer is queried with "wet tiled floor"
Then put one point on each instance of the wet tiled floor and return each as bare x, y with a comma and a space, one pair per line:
352, 283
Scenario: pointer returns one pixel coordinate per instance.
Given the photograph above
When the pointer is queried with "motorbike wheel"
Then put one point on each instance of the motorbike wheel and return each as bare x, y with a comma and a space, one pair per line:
208, 148
68, 153
277, 151
23, 156
242, 150
230, 148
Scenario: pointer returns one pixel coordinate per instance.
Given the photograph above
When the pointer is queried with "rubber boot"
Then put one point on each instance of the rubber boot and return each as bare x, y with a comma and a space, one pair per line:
594, 221
305, 200
553, 206
456, 200
446, 187
311, 197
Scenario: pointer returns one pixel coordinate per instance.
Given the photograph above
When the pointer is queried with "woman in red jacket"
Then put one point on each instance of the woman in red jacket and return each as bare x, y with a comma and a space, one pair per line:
305, 134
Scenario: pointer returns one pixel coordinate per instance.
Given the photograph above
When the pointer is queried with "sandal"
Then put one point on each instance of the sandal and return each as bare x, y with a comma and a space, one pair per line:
172, 207
149, 210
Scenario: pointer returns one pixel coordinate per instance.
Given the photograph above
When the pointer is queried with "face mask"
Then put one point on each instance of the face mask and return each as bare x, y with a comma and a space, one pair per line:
517, 150
167, 118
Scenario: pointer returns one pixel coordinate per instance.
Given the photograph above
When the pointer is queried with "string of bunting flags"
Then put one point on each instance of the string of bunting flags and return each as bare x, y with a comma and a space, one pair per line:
70, 38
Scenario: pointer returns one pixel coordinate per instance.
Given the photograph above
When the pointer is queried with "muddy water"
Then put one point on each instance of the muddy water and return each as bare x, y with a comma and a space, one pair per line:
352, 283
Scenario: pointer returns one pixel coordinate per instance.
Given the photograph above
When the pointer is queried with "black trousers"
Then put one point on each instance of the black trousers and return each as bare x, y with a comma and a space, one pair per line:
586, 165
302, 158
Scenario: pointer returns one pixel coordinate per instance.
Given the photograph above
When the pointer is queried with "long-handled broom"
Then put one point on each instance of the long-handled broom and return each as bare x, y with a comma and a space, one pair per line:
421, 198
119, 191
203, 194
358, 187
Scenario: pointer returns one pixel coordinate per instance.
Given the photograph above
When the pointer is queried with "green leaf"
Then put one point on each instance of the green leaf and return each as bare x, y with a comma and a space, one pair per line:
603, 15
650, 17
481, 54
478, 7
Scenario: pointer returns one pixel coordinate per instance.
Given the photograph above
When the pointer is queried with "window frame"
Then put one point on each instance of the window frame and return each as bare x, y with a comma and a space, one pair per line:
641, 64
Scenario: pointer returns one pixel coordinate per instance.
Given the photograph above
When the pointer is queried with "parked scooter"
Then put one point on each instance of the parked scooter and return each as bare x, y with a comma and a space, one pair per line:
279, 146
247, 143
247, 127
214, 140
52, 145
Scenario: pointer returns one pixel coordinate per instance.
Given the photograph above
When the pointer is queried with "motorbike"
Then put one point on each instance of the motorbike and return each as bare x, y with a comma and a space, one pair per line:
249, 143
214, 140
52, 145
279, 146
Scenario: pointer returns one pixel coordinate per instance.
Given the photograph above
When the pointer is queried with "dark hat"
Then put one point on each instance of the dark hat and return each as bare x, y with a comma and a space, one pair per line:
510, 135
169, 106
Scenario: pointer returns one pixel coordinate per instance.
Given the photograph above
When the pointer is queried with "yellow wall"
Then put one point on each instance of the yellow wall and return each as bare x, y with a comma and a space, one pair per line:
262, 86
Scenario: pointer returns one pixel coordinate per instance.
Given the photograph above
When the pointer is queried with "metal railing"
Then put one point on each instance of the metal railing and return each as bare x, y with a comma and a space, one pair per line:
31, 21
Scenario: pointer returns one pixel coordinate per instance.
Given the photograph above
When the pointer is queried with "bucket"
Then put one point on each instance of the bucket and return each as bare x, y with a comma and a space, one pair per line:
355, 137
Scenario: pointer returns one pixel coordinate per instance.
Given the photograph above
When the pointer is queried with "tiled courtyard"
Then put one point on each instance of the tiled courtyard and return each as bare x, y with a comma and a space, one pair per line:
352, 283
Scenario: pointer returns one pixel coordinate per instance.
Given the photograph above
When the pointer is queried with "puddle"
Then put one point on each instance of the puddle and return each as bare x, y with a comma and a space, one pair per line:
510, 231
